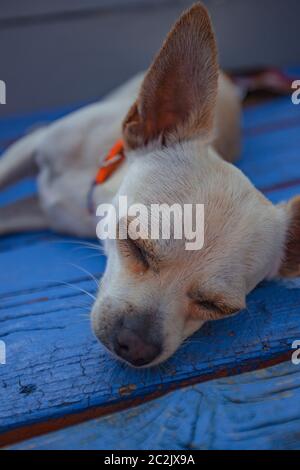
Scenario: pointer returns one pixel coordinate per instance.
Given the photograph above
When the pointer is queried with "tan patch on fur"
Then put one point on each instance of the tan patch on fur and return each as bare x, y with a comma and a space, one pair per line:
291, 263
178, 94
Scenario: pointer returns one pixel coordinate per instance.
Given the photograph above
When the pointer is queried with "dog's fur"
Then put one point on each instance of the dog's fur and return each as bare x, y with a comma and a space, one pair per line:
183, 116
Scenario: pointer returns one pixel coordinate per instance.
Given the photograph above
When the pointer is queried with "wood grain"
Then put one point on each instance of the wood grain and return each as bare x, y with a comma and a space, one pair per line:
257, 410
56, 369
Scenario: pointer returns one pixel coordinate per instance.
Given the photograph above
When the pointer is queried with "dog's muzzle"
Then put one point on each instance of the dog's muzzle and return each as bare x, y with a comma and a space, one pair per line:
134, 339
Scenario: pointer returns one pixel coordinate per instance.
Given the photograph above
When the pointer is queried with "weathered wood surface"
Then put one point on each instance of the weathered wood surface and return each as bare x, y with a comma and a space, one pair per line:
257, 410
55, 368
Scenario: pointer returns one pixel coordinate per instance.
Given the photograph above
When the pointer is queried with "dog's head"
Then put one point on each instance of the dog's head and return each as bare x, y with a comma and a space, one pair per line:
155, 293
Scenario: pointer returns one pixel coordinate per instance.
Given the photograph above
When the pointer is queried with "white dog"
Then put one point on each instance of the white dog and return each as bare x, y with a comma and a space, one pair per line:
180, 135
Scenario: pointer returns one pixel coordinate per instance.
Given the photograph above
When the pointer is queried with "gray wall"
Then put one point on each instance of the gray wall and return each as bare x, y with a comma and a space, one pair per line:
58, 52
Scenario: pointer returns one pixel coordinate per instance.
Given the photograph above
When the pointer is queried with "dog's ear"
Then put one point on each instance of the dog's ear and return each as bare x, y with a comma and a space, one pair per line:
291, 261
179, 91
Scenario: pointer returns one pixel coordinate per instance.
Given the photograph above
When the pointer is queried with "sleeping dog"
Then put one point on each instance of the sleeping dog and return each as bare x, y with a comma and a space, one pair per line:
180, 126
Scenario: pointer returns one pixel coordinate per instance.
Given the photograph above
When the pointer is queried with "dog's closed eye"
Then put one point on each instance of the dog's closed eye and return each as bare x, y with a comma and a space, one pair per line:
133, 249
209, 309
139, 253
135, 254
208, 305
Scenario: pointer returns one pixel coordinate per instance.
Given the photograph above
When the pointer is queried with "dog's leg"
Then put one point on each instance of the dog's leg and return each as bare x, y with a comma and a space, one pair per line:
18, 161
23, 215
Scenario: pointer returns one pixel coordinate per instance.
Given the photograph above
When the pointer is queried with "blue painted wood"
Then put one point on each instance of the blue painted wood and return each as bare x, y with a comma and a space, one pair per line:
272, 158
283, 195
262, 116
257, 410
15, 126
55, 366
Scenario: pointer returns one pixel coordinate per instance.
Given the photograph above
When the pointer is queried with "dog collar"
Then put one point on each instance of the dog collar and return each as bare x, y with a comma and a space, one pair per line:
111, 163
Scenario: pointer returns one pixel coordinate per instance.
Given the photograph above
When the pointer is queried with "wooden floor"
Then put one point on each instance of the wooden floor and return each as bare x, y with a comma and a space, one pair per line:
257, 410
57, 375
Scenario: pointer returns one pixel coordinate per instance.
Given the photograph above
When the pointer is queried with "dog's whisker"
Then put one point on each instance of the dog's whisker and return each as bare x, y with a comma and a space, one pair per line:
84, 315
75, 242
80, 305
91, 256
54, 282
95, 247
82, 245
75, 305
89, 248
79, 289
113, 370
86, 272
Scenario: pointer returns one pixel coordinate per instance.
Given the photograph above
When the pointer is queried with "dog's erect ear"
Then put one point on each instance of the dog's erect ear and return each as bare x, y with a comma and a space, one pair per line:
179, 91
291, 262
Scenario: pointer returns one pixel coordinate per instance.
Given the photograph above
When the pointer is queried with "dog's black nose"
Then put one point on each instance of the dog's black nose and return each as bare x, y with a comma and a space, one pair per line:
134, 347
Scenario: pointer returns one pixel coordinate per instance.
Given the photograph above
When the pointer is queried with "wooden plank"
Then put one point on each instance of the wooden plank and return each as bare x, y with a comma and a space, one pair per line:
274, 111
14, 127
257, 410
55, 368
270, 138
263, 157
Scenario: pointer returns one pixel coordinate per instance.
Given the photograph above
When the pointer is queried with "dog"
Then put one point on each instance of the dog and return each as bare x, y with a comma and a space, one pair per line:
180, 124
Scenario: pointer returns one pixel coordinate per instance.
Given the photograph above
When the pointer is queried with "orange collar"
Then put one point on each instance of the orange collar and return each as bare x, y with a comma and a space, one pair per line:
111, 163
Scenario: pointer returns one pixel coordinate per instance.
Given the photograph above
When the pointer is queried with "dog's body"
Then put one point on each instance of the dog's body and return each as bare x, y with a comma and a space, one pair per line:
184, 117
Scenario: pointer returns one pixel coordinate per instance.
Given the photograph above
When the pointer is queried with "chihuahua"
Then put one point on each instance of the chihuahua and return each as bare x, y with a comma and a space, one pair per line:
180, 124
